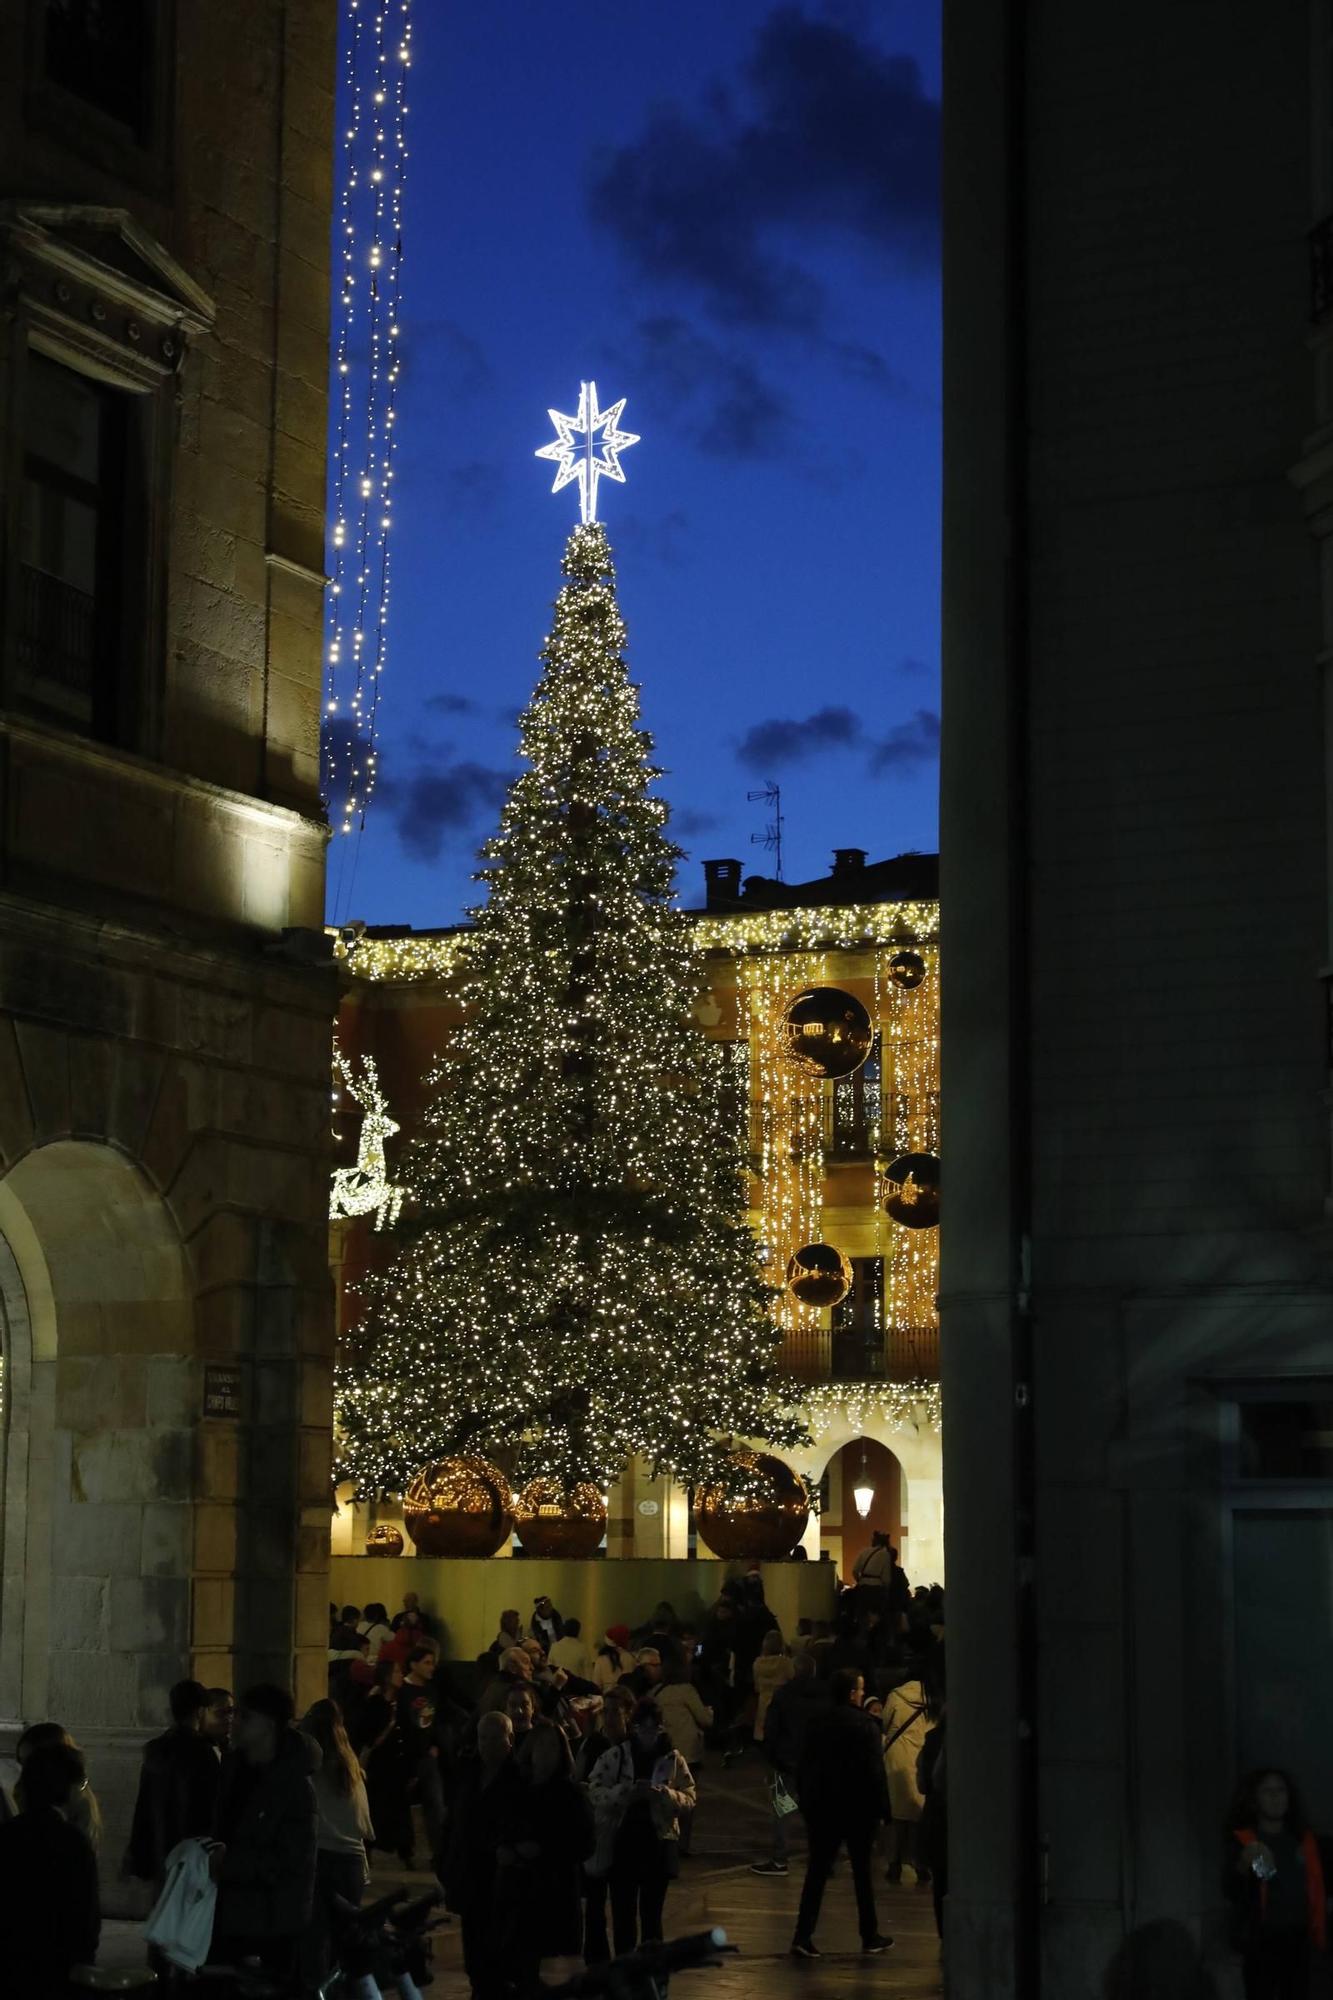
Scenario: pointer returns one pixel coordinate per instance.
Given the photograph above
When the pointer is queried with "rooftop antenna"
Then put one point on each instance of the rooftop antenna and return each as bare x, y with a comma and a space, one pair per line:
771, 837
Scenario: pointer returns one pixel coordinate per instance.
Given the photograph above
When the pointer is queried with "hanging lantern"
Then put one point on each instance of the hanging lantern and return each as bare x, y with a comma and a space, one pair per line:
826, 1032
385, 1540
907, 969
458, 1507
912, 1192
819, 1275
552, 1522
863, 1493
763, 1526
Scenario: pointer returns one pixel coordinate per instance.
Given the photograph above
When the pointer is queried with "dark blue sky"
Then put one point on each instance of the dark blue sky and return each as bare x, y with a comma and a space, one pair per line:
728, 214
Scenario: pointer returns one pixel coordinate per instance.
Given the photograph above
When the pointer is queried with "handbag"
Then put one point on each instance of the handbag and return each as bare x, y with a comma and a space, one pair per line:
783, 1802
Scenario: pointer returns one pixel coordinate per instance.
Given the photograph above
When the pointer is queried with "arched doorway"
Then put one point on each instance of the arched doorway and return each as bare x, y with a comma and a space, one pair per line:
96, 1515
866, 1463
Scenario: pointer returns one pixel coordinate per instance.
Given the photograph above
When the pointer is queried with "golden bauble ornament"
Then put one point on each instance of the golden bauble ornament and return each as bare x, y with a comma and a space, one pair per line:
551, 1521
762, 1528
912, 1190
385, 1540
907, 968
819, 1275
459, 1507
826, 1032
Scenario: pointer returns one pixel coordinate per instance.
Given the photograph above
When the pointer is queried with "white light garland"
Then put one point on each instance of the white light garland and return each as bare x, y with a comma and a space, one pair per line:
378, 54
901, 1406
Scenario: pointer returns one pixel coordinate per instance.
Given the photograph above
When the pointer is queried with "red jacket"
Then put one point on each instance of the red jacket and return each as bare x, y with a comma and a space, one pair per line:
1314, 1883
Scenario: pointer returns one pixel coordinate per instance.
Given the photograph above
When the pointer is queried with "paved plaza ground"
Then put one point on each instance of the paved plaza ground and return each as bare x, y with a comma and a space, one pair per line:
716, 1887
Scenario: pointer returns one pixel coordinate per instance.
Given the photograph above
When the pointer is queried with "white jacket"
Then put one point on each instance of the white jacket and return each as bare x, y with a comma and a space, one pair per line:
181, 1925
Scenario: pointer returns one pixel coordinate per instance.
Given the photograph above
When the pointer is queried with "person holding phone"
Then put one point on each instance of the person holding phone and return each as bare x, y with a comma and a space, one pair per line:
1274, 1881
646, 1785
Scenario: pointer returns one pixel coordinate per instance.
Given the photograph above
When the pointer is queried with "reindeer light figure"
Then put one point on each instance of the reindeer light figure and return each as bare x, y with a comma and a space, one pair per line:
366, 1189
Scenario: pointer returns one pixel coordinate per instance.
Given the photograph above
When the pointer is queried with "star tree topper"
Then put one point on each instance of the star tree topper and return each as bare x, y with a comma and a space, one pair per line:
575, 449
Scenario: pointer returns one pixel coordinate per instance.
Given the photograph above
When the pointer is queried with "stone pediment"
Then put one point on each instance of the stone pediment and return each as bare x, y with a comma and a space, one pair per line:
107, 254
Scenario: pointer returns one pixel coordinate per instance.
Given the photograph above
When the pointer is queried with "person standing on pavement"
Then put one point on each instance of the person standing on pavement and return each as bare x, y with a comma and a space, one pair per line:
843, 1797
341, 1868
792, 1709
50, 1920
643, 1785
570, 1652
375, 1629
611, 1729
481, 1816
685, 1717
178, 1786
267, 1828
417, 1716
547, 1624
218, 1718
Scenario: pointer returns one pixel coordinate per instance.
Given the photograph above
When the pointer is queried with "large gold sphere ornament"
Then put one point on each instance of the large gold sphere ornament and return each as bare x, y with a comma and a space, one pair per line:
553, 1522
819, 1275
907, 968
458, 1507
827, 1032
385, 1540
912, 1192
762, 1528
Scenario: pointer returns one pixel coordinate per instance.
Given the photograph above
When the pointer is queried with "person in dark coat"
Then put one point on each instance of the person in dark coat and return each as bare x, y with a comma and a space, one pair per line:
793, 1708
612, 1728
932, 1781
382, 1747
178, 1786
481, 1815
547, 1624
1274, 1880
49, 1915
267, 1829
843, 1796
548, 1835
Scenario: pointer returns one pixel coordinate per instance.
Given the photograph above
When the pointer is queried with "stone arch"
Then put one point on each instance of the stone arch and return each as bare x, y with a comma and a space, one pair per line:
96, 1514
916, 1444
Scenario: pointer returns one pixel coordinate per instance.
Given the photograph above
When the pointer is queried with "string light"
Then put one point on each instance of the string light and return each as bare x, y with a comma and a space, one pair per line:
580, 1284
367, 365
366, 1189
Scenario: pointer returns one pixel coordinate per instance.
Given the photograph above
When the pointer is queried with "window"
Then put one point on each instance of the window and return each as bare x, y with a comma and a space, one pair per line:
1288, 1440
857, 1108
102, 52
76, 535
857, 1345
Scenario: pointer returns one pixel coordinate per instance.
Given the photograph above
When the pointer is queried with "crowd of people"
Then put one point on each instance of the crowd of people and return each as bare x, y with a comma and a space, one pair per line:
554, 1785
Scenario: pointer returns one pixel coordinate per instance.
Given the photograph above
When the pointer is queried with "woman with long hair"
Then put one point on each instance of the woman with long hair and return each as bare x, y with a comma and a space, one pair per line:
83, 1810
1274, 1880
341, 1868
642, 1786
384, 1760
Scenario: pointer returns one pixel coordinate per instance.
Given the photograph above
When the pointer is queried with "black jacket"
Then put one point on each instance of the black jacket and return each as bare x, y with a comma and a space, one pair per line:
476, 1829
178, 1797
840, 1777
49, 1917
541, 1900
793, 1708
268, 1819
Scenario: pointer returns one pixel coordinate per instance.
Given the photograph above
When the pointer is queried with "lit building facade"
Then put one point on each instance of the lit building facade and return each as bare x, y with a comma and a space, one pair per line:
825, 1169
166, 990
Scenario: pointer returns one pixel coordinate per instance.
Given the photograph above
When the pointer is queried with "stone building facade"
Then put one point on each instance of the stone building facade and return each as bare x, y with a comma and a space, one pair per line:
166, 991
865, 1370
1137, 1284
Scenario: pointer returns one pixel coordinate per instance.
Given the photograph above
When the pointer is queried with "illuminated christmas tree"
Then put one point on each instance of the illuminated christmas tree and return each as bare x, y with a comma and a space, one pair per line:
575, 1279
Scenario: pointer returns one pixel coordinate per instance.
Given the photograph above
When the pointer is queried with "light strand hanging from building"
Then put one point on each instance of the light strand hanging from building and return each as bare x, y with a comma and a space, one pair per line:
368, 280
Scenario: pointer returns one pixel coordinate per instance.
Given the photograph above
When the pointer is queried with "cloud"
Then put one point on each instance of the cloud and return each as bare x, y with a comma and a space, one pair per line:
664, 538
768, 746
690, 825
442, 799
474, 487
717, 393
450, 704
456, 363
833, 134
911, 668
909, 745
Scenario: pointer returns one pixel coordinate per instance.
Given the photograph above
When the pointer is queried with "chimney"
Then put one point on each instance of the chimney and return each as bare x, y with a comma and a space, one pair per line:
722, 882
848, 861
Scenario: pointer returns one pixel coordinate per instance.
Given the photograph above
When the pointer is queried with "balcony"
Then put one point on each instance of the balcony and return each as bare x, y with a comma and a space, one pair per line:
862, 1354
